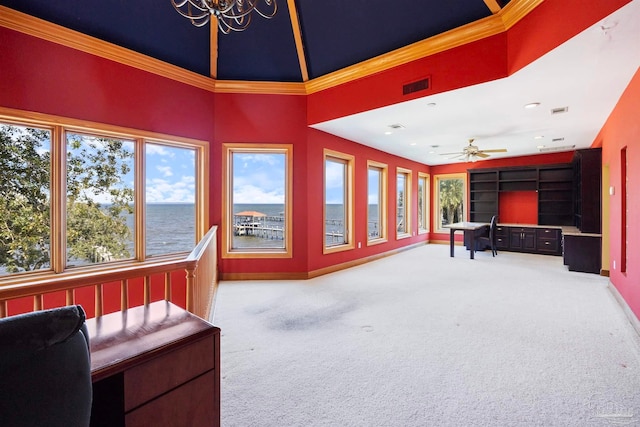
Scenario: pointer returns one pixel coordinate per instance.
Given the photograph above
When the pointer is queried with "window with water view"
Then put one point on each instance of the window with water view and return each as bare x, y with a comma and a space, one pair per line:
377, 202
258, 211
88, 213
338, 201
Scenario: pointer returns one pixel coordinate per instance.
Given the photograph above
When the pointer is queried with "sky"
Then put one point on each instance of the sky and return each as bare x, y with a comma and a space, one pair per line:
170, 174
258, 178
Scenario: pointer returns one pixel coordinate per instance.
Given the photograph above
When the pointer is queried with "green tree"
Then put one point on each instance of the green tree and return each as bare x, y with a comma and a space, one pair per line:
451, 197
24, 199
95, 171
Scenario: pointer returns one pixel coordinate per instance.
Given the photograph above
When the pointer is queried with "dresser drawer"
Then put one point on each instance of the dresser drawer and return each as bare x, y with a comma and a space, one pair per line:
163, 373
548, 245
189, 405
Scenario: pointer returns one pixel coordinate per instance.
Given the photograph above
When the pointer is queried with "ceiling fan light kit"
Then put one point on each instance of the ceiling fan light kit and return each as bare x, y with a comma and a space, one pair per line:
471, 152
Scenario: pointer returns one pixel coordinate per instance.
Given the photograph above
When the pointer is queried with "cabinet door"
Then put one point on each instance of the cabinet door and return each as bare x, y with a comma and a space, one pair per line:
529, 240
522, 239
515, 239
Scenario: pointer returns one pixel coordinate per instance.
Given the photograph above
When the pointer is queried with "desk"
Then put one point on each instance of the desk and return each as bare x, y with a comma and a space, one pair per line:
472, 229
154, 365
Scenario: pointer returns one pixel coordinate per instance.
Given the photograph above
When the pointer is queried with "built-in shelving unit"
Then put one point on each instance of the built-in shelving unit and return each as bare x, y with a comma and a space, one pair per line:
484, 195
554, 184
555, 195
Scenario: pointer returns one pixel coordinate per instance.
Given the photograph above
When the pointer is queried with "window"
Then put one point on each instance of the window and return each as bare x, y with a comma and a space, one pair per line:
257, 200
338, 201
170, 188
423, 202
376, 202
74, 194
25, 198
450, 191
403, 203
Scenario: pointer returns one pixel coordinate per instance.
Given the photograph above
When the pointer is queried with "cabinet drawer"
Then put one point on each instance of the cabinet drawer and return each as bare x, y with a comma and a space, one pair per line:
548, 233
548, 245
502, 242
189, 405
157, 376
502, 231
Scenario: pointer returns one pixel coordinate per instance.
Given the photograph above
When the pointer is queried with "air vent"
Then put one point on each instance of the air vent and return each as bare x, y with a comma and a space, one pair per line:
396, 126
557, 140
559, 110
416, 86
563, 148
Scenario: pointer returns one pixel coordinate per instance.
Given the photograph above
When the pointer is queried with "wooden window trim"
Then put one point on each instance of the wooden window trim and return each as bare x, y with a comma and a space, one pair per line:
407, 202
383, 196
436, 194
349, 200
59, 126
228, 149
426, 217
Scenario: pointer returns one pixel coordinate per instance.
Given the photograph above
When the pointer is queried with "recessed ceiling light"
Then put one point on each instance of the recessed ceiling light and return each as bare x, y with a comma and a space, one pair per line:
532, 105
388, 132
538, 137
413, 143
431, 152
540, 147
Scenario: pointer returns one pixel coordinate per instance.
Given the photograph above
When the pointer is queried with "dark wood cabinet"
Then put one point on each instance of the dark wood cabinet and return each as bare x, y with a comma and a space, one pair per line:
502, 238
537, 240
549, 241
154, 365
522, 239
583, 252
587, 167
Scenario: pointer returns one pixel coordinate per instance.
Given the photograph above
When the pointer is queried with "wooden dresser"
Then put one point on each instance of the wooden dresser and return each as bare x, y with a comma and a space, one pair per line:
155, 365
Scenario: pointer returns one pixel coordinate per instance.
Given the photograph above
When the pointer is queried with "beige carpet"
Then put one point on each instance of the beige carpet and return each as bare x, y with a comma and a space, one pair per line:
422, 339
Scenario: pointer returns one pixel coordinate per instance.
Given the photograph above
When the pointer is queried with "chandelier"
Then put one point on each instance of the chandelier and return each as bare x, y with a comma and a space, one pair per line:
232, 15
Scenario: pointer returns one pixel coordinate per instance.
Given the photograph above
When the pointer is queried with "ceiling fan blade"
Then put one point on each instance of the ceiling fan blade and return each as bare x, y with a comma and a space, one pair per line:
449, 154
482, 154
497, 150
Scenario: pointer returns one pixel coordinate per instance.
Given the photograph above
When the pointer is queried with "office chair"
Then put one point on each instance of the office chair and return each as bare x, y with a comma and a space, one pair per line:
45, 369
490, 240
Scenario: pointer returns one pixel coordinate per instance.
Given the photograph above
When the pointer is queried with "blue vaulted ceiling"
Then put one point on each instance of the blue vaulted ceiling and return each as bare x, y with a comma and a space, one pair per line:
335, 33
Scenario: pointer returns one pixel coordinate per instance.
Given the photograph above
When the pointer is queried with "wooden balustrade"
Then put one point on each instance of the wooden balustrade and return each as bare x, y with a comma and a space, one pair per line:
201, 278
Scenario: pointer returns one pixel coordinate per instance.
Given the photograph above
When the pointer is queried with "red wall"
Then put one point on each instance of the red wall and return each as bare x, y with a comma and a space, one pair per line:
264, 119
36, 75
622, 129
518, 207
318, 141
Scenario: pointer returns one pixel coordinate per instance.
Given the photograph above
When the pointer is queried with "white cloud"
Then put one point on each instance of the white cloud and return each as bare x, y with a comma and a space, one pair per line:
160, 150
252, 194
162, 191
165, 170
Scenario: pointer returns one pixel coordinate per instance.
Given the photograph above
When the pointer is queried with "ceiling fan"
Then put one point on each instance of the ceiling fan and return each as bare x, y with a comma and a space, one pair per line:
472, 152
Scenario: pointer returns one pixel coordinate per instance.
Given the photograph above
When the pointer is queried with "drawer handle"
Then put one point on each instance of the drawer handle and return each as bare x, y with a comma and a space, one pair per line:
546, 243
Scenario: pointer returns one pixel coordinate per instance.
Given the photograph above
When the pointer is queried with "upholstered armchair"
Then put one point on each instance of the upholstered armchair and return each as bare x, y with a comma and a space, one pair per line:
45, 369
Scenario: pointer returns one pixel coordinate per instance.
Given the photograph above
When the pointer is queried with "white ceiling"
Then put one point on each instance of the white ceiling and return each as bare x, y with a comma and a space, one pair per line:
587, 74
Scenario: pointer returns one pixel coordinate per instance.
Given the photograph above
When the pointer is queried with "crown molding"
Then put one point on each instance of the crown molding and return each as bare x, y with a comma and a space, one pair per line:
45, 30
507, 17
474, 31
489, 26
274, 88
513, 12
